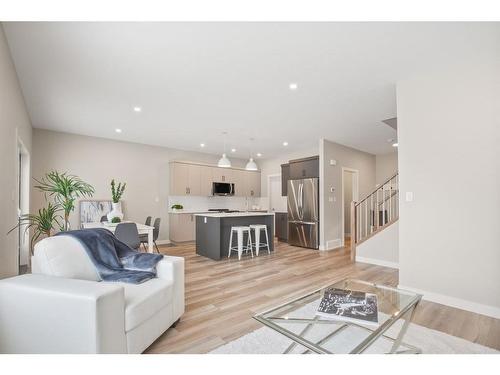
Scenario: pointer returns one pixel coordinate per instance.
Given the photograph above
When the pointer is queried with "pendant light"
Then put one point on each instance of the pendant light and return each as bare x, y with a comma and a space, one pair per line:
224, 162
251, 165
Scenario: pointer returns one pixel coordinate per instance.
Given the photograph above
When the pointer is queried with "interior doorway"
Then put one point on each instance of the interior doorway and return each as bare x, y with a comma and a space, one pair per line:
23, 205
350, 192
277, 203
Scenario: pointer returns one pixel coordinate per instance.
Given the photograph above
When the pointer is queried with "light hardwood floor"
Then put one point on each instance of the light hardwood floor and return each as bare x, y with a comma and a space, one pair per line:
222, 296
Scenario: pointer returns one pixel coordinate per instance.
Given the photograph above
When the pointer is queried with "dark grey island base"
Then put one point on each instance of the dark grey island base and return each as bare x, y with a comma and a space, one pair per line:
213, 231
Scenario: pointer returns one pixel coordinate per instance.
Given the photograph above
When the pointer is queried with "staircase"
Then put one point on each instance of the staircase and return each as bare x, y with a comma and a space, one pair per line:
374, 213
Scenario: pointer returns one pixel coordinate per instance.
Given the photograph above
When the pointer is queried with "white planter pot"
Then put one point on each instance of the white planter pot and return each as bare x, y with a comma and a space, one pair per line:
116, 211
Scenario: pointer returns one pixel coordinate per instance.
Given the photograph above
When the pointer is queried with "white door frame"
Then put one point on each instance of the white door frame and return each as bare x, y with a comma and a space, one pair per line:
269, 176
24, 179
355, 194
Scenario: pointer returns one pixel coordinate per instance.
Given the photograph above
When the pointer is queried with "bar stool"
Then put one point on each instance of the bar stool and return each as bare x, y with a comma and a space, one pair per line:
240, 232
257, 228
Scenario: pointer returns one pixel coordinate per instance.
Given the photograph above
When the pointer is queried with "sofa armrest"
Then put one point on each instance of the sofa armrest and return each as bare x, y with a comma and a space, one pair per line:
172, 268
46, 314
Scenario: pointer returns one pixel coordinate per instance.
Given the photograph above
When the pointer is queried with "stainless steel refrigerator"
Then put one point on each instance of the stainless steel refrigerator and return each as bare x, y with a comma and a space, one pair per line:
303, 212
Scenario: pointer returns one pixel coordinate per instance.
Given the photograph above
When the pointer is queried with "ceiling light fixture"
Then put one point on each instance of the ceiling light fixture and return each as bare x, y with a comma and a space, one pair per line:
293, 86
251, 165
395, 144
224, 162
137, 109
285, 143
202, 144
259, 154
233, 150
118, 130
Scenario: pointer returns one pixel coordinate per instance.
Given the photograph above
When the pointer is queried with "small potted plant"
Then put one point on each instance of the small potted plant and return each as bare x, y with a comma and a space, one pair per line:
116, 194
177, 207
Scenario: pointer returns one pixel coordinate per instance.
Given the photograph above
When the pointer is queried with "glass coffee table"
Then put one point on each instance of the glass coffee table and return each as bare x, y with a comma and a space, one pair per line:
311, 333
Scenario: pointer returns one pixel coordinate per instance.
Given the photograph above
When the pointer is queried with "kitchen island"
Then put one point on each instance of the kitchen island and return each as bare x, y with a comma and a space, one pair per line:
214, 229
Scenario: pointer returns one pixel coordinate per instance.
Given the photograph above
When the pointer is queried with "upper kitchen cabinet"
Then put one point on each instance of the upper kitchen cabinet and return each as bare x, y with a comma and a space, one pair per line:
196, 179
240, 183
185, 179
285, 176
304, 168
206, 181
252, 184
222, 174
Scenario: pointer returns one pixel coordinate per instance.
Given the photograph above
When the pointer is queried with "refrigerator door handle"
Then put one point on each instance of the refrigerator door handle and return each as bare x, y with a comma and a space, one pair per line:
301, 201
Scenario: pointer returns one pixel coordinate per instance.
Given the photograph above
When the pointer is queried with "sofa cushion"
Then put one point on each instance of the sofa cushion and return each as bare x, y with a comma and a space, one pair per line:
142, 301
63, 256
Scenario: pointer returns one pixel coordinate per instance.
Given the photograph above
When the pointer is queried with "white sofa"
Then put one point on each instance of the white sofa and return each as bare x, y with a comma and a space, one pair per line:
62, 307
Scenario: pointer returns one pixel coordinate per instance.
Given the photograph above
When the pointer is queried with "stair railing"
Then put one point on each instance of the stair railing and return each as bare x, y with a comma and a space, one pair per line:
376, 211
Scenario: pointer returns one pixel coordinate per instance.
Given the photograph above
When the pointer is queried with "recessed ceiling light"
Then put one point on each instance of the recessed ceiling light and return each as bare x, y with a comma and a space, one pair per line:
395, 144
285, 143
118, 130
293, 86
137, 109
259, 154
202, 144
233, 150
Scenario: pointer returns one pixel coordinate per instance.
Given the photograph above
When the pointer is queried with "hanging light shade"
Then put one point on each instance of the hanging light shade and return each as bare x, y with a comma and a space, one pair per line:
224, 162
251, 165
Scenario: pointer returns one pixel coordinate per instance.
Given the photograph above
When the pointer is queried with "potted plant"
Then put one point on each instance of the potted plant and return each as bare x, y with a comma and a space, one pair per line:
177, 207
42, 223
116, 194
64, 189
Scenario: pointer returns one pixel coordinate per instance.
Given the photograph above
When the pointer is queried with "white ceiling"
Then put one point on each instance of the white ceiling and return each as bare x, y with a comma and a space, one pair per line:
196, 80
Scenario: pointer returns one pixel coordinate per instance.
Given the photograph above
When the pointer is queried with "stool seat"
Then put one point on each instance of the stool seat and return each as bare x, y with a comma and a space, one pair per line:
240, 233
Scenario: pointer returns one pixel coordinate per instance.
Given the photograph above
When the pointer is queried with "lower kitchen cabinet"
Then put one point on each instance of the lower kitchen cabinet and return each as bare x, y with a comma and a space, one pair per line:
182, 227
281, 226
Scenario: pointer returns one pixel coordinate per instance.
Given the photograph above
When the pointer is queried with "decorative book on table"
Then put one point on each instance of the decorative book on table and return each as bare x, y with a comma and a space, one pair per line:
349, 305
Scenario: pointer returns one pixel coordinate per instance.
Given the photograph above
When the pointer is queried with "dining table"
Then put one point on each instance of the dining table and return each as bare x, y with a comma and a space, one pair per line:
141, 228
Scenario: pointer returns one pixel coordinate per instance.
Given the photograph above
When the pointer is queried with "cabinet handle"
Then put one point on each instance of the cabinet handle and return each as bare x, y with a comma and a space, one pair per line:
251, 193
223, 178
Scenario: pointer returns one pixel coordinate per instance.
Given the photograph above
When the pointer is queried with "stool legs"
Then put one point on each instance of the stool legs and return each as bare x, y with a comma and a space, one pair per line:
267, 242
257, 241
230, 244
240, 244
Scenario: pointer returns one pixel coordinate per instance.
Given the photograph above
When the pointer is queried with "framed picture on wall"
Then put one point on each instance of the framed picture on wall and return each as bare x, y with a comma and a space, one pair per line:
91, 211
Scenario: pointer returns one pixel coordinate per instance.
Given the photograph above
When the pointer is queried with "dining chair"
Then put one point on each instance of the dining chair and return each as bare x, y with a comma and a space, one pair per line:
104, 218
144, 237
148, 221
128, 234
156, 232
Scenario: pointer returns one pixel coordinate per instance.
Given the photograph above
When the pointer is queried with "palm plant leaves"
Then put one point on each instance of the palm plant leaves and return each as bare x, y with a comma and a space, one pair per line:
42, 223
64, 189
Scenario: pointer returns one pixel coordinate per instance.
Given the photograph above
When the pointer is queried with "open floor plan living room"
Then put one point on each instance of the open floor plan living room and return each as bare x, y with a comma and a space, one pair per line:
249, 188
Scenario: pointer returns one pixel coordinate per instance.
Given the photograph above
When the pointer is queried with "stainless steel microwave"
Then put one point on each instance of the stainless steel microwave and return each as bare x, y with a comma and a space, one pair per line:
222, 188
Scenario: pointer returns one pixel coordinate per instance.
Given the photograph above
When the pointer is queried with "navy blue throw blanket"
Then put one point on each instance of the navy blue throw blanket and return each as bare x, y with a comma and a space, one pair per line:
114, 260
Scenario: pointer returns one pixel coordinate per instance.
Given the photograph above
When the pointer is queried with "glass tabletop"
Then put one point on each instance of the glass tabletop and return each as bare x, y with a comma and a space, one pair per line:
299, 321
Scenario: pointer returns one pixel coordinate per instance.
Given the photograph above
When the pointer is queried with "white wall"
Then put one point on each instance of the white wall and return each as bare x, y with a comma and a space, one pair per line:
331, 235
381, 249
386, 166
144, 168
449, 157
348, 176
14, 124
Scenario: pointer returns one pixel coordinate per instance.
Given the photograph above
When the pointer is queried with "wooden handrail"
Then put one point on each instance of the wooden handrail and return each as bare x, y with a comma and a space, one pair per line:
377, 189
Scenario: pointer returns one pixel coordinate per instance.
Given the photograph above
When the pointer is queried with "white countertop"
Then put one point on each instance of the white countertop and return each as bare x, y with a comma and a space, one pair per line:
188, 211
235, 214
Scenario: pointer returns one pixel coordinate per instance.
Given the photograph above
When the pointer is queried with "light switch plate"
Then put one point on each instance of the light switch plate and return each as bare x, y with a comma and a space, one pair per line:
333, 162
409, 196
330, 199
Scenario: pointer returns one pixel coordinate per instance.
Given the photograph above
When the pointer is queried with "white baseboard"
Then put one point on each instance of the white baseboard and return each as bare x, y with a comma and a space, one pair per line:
458, 303
163, 242
377, 262
331, 245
